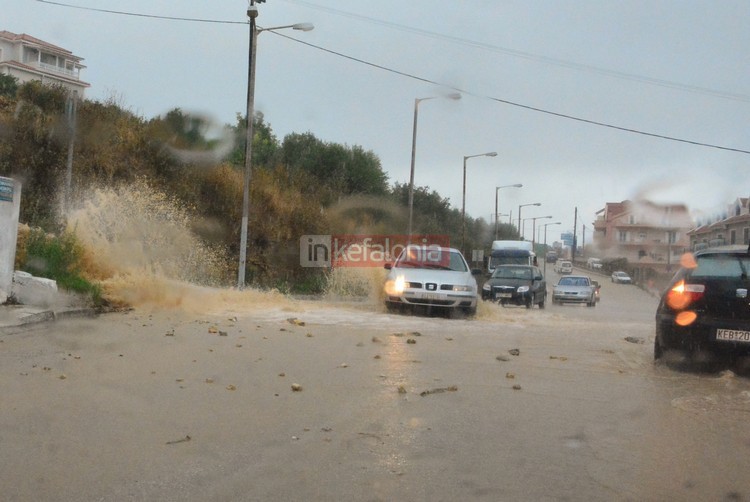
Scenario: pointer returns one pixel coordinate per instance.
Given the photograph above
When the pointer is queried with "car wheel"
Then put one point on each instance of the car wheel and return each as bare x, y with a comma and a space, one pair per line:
530, 302
658, 349
541, 304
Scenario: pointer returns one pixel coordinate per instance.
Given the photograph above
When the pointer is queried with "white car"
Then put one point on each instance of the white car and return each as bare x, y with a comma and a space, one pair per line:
574, 289
564, 267
432, 277
621, 277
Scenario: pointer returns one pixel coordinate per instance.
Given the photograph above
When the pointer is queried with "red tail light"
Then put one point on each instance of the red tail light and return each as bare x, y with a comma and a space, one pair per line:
681, 295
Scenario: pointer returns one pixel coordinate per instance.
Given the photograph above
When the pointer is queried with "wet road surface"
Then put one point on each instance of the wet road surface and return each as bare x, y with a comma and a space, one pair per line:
516, 404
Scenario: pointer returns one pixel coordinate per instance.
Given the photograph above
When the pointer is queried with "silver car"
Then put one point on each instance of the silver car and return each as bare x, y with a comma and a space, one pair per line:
574, 289
431, 277
621, 277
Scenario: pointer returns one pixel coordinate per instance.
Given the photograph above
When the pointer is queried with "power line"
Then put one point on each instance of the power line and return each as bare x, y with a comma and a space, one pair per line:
512, 103
426, 80
536, 57
135, 14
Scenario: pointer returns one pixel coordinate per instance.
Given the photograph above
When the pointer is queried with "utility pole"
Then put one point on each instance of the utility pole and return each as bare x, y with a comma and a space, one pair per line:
70, 113
583, 245
575, 234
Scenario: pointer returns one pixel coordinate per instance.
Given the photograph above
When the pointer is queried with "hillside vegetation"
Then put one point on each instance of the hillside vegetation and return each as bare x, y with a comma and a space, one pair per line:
175, 182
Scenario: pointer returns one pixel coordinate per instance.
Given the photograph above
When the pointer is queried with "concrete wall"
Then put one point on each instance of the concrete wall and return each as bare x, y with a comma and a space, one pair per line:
10, 207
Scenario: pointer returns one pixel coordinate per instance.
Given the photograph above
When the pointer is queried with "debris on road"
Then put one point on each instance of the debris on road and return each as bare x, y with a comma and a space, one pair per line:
296, 387
502, 358
439, 390
514, 352
634, 339
295, 321
183, 440
516, 387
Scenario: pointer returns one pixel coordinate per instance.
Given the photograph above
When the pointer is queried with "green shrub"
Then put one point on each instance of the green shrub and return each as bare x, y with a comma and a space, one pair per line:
58, 258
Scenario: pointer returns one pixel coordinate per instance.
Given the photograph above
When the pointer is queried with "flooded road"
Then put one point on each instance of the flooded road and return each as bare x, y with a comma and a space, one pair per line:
271, 398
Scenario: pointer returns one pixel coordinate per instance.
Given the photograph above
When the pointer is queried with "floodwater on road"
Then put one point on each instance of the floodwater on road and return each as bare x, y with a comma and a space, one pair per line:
283, 399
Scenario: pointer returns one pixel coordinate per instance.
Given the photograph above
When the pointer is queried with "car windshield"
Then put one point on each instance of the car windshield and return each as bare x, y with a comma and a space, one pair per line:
722, 265
512, 273
436, 259
573, 281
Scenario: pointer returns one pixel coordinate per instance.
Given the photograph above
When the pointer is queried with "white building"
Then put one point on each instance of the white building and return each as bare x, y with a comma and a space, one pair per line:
28, 58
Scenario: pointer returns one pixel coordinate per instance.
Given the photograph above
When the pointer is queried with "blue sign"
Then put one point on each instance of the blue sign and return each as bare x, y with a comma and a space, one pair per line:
6, 190
567, 238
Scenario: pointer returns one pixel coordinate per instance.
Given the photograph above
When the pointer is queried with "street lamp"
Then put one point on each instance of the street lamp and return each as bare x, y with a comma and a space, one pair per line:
463, 198
545, 243
252, 13
533, 227
519, 215
517, 185
453, 96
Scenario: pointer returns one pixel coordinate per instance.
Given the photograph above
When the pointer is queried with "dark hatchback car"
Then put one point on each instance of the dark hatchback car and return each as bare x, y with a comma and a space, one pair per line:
516, 285
705, 311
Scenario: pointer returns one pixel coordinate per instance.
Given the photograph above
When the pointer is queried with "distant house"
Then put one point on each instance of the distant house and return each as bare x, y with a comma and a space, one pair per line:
28, 58
652, 237
732, 228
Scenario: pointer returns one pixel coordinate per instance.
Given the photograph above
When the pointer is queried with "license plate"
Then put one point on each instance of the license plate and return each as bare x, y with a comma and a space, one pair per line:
503, 295
431, 296
733, 335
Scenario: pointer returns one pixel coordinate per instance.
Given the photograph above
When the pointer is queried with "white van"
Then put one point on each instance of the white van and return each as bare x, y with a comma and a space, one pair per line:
563, 267
594, 264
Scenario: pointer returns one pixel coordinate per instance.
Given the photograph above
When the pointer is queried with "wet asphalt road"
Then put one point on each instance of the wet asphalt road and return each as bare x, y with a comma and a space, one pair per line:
516, 404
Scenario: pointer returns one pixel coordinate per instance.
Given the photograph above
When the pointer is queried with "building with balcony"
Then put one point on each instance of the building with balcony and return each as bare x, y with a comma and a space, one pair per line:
731, 228
652, 237
28, 58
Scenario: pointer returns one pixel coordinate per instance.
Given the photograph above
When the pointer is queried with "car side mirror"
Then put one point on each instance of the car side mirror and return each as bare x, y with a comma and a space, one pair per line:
388, 266
538, 278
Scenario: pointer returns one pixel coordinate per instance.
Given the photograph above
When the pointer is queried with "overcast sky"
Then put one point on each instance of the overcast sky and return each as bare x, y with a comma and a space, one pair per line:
526, 69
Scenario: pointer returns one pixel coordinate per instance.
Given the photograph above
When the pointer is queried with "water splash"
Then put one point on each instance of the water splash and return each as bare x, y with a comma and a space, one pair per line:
139, 245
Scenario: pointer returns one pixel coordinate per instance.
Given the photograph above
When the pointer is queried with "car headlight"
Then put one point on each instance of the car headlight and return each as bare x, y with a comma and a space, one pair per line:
463, 288
486, 287
395, 287
523, 289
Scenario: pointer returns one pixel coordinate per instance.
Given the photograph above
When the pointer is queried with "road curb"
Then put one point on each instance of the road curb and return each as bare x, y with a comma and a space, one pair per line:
27, 321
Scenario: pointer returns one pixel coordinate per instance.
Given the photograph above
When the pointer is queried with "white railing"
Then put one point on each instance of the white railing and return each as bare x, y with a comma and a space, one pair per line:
57, 69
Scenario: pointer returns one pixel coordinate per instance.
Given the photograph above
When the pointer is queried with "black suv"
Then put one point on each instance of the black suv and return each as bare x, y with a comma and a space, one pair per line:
517, 285
705, 311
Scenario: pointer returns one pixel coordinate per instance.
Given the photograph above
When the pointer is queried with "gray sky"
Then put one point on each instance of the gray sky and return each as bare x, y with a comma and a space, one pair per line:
676, 68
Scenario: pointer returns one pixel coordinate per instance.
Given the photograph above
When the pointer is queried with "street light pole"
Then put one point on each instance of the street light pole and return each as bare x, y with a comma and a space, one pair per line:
533, 227
497, 189
252, 13
414, 154
545, 243
463, 197
520, 232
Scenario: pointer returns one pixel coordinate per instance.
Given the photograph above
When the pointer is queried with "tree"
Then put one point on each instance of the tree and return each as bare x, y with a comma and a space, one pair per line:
8, 85
265, 145
343, 170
